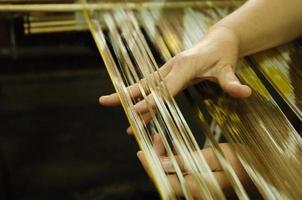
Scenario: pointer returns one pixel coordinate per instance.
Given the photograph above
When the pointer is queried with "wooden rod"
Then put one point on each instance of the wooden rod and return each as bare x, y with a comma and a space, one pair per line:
55, 29
109, 6
57, 17
53, 23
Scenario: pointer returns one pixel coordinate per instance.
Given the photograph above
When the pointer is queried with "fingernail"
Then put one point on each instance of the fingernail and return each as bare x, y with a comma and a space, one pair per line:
129, 130
102, 98
234, 83
105, 96
139, 154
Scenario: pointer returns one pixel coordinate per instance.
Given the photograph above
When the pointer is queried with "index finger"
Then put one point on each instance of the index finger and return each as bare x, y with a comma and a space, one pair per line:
134, 90
114, 100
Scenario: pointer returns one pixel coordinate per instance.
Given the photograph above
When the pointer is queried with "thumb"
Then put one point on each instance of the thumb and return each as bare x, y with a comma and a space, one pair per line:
231, 84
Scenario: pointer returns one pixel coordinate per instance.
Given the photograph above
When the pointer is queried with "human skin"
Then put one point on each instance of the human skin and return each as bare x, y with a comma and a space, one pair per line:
213, 163
255, 26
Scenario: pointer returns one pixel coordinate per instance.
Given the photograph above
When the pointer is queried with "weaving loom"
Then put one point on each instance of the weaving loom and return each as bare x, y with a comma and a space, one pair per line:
135, 39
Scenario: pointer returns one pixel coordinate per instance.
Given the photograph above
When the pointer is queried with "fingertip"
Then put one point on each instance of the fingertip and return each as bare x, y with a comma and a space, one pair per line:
110, 100
238, 90
105, 99
231, 84
102, 99
139, 155
247, 91
129, 130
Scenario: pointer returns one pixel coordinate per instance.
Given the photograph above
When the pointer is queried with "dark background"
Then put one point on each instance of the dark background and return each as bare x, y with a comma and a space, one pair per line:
56, 141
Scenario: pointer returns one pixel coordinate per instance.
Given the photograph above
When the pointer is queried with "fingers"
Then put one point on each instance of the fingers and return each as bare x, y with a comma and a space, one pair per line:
149, 102
146, 118
174, 83
189, 180
134, 90
172, 178
231, 84
211, 160
207, 153
158, 145
219, 176
174, 75
144, 105
135, 93
113, 99
110, 100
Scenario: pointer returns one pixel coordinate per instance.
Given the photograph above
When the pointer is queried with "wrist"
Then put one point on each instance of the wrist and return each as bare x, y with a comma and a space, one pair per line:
224, 33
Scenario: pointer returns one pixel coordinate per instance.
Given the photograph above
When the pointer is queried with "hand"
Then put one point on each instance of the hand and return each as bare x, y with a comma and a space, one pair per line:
213, 58
212, 161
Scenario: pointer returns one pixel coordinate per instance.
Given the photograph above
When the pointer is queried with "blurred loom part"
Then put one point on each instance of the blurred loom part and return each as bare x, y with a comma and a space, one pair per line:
65, 18
135, 40
280, 66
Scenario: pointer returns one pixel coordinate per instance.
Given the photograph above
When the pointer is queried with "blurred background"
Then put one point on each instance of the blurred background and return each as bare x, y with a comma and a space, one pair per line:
56, 141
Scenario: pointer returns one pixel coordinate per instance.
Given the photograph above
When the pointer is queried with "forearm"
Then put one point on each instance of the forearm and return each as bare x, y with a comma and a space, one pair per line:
262, 24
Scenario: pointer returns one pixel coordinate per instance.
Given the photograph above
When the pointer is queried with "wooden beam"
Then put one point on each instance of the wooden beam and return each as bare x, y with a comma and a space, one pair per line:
109, 6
